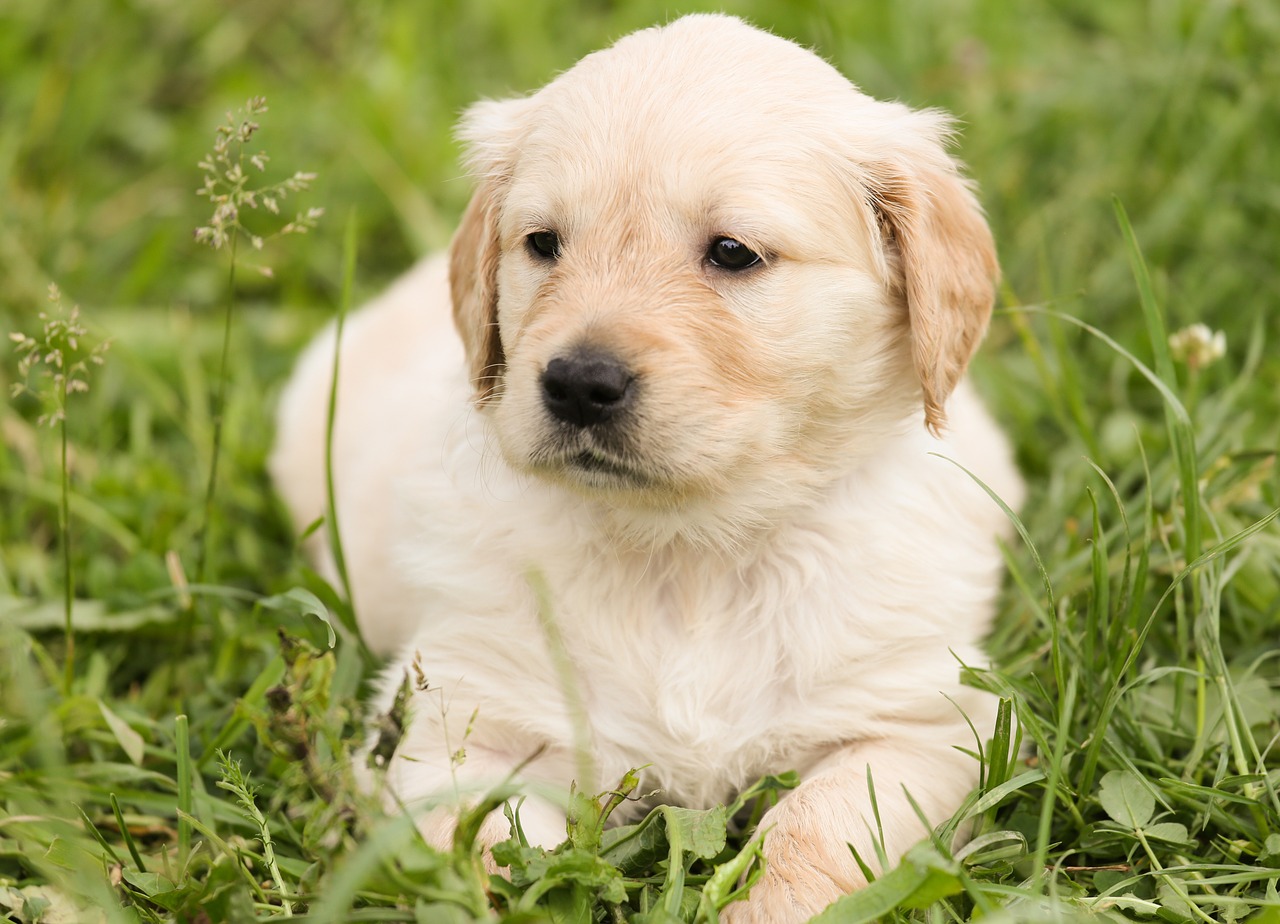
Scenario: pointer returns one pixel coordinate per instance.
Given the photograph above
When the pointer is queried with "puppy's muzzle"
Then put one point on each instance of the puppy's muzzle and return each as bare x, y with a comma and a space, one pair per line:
587, 388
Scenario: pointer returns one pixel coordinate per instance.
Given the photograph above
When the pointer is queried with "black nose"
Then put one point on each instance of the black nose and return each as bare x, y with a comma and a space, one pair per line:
585, 389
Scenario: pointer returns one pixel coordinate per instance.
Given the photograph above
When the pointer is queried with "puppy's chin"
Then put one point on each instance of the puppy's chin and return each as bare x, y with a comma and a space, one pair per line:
618, 477
594, 473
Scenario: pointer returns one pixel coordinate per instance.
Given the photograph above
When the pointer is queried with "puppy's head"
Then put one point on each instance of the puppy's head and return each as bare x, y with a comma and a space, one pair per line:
702, 265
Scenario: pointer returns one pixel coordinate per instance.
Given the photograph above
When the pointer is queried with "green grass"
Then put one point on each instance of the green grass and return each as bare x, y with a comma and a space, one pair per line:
1139, 633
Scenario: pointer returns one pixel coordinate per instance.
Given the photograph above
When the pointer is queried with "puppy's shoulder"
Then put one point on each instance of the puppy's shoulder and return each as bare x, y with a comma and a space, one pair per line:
399, 359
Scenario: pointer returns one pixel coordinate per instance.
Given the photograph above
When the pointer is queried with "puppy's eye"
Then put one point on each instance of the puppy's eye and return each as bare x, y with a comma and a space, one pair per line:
729, 254
545, 244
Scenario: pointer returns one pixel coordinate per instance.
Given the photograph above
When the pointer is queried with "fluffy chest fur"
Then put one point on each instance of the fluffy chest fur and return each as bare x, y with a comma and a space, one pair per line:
712, 668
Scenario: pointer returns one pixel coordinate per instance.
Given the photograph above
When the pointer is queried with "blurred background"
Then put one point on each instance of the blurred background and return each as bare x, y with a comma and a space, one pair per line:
107, 106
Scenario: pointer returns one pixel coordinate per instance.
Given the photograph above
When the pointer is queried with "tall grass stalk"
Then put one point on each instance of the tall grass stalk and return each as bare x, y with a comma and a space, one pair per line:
62, 355
331, 415
228, 188
64, 532
570, 688
183, 772
218, 413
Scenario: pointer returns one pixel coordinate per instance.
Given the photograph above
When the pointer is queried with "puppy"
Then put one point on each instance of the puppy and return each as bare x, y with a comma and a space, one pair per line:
713, 307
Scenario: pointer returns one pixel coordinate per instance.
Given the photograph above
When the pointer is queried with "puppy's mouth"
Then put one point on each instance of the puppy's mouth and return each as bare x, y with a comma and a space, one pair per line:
597, 463
591, 466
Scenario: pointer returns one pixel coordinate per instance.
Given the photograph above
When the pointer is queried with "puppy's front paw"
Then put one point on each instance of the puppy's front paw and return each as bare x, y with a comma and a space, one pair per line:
806, 869
543, 825
808, 860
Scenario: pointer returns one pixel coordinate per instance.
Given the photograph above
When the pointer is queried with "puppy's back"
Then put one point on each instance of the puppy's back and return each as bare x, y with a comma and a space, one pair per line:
399, 358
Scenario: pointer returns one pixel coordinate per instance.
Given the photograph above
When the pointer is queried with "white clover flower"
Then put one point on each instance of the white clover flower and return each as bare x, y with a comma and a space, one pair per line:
1197, 345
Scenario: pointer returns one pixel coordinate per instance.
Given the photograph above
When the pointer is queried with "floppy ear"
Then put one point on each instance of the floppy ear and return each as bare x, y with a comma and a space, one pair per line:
473, 285
490, 133
947, 261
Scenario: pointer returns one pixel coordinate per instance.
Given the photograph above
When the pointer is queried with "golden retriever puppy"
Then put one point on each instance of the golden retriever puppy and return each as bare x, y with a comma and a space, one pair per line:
713, 307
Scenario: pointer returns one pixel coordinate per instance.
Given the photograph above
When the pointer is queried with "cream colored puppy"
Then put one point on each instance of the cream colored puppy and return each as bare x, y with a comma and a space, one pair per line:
714, 308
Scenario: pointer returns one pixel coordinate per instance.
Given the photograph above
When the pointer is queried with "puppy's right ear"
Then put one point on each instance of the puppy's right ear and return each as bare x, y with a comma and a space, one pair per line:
490, 132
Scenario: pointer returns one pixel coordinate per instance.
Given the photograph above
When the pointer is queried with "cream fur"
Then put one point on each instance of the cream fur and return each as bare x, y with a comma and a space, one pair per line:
788, 577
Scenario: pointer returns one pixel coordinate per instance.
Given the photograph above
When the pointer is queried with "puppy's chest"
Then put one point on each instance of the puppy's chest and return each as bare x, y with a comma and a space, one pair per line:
705, 676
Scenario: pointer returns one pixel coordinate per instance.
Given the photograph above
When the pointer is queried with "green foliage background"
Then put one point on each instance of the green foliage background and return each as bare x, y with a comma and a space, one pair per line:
1134, 668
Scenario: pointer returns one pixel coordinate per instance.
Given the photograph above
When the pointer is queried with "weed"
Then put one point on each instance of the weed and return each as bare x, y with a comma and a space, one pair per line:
228, 185
61, 356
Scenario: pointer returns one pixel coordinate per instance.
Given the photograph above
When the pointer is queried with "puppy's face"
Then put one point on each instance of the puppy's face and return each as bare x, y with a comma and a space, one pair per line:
701, 265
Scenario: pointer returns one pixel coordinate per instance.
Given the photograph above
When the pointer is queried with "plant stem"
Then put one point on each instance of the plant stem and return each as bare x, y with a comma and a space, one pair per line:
64, 526
331, 502
219, 408
182, 742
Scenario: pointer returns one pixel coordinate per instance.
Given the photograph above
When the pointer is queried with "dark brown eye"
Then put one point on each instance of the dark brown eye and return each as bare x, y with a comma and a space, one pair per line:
545, 244
729, 254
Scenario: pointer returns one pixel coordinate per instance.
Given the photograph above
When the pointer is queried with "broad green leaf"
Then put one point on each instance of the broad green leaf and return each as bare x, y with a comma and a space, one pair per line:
923, 877
302, 601
995, 845
702, 833
570, 906
638, 847
516, 858
1104, 880
147, 884
572, 867
1169, 831
130, 741
1173, 901
1125, 799
158, 889
1271, 850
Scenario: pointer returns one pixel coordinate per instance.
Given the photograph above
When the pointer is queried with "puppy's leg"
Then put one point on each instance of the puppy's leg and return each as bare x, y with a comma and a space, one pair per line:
808, 833
443, 765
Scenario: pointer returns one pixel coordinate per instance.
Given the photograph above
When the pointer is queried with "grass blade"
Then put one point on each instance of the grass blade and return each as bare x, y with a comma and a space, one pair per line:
126, 835
1181, 432
182, 742
331, 414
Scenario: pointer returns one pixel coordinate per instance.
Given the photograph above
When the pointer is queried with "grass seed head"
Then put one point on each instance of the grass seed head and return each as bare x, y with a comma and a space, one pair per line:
55, 364
232, 191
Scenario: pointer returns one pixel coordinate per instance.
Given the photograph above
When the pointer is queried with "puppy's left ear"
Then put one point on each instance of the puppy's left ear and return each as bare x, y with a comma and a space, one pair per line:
947, 260
490, 132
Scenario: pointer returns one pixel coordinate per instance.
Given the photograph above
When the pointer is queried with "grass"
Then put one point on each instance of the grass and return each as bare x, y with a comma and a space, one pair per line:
1139, 631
